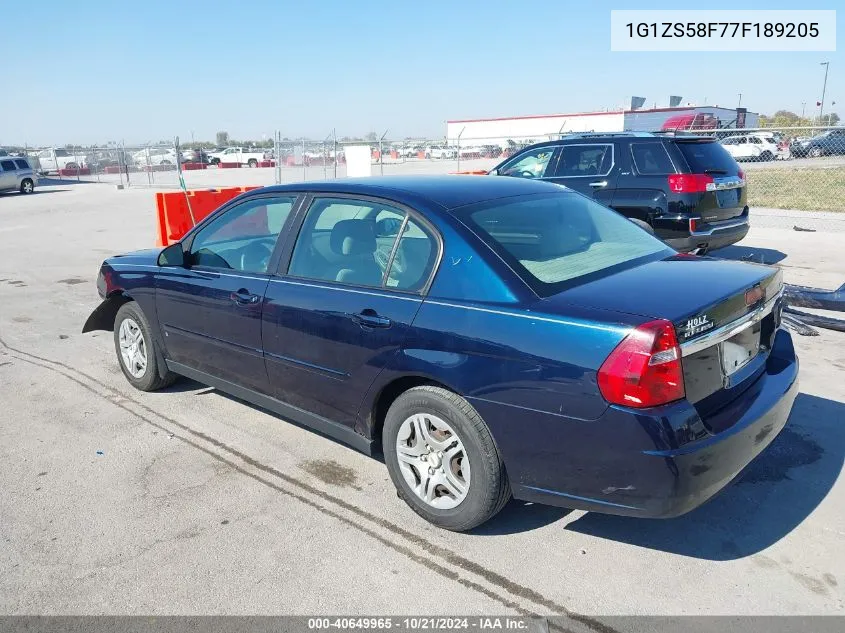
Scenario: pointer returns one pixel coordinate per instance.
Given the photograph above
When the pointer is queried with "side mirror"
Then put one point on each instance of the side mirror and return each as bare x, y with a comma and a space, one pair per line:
493, 172
173, 255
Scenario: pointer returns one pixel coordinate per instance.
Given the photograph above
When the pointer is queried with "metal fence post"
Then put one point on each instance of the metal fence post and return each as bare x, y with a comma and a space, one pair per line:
460, 134
125, 162
381, 152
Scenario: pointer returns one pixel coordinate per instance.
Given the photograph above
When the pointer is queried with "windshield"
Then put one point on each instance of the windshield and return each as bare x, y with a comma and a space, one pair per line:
555, 241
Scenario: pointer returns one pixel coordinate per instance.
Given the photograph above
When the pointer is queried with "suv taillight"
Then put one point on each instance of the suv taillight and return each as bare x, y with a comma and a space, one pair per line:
691, 183
644, 370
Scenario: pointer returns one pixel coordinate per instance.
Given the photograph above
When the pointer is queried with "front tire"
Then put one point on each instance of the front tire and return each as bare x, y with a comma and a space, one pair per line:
815, 152
27, 186
443, 460
135, 349
252, 163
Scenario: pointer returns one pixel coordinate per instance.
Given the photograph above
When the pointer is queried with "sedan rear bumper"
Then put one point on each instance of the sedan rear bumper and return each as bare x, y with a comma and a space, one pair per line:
657, 463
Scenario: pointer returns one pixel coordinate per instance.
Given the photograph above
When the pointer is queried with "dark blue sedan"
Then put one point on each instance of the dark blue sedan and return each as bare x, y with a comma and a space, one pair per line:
494, 337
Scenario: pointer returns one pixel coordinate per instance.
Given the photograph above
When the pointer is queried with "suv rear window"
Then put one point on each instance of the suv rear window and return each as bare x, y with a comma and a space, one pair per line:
559, 240
21, 163
707, 155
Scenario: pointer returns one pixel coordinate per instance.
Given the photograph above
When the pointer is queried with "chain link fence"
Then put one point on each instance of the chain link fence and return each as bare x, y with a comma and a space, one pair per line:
801, 168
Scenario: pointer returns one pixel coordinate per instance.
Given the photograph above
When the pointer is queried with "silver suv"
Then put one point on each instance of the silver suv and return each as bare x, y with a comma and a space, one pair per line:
17, 174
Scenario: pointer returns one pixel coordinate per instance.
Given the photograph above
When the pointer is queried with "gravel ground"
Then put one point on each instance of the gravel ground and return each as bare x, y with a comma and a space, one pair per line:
188, 501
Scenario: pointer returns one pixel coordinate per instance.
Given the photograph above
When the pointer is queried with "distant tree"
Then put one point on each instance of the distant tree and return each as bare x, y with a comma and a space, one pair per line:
372, 136
831, 119
222, 138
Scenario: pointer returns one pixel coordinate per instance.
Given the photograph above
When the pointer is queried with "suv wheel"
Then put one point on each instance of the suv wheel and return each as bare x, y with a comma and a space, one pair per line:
645, 226
443, 460
27, 186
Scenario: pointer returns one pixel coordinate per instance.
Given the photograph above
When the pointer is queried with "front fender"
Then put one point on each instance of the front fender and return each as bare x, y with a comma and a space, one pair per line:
102, 318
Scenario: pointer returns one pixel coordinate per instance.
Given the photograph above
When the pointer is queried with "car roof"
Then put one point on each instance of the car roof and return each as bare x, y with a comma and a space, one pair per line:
449, 192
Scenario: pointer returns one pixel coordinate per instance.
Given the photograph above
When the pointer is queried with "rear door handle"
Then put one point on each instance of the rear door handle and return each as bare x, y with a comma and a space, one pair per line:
244, 297
370, 318
599, 183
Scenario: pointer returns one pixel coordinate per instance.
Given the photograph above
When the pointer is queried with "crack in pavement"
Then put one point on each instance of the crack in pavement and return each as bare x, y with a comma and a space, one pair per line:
447, 557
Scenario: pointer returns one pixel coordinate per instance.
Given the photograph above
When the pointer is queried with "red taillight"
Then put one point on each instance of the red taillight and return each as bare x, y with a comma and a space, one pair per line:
741, 175
645, 368
691, 183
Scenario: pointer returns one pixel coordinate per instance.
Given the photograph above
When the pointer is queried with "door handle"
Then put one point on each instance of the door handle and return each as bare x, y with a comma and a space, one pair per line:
244, 297
598, 184
370, 318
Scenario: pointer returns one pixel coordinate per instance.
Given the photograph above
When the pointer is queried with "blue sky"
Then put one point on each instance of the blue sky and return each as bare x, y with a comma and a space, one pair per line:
97, 71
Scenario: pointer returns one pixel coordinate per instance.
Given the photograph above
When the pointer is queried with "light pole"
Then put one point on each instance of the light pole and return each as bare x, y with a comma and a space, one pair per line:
824, 88
740, 100
803, 107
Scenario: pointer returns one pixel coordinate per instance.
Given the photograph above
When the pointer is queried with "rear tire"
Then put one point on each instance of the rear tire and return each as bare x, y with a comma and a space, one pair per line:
135, 347
455, 448
27, 186
815, 152
766, 156
71, 166
252, 163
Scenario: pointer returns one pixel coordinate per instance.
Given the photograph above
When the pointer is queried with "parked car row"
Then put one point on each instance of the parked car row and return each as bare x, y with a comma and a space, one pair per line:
758, 146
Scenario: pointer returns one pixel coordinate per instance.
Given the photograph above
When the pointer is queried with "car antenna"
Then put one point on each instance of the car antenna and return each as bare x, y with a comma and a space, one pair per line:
182, 183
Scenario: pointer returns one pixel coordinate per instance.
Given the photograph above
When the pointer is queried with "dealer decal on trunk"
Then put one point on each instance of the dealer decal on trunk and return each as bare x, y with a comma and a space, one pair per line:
697, 325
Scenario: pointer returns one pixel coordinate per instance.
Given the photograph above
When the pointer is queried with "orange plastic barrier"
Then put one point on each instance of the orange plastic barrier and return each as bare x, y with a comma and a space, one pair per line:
81, 171
267, 163
173, 219
229, 165
478, 172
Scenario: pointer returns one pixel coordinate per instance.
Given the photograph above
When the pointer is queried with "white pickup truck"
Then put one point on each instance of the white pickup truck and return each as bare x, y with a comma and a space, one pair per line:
53, 159
241, 155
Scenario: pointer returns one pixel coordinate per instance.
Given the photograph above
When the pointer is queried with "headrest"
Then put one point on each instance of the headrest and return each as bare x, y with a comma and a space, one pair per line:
353, 237
562, 236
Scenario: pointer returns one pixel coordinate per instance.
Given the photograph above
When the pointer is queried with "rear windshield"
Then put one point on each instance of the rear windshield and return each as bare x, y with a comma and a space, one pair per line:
559, 240
707, 155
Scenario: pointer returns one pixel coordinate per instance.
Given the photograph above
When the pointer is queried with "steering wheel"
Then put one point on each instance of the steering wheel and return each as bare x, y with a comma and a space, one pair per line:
255, 257
527, 174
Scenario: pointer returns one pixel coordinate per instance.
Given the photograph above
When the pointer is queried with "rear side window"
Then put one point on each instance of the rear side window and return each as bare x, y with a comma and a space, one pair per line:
21, 163
584, 160
651, 159
8, 165
555, 241
707, 156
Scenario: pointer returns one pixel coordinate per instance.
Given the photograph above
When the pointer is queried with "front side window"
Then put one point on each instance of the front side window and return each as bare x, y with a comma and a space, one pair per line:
363, 243
532, 164
554, 241
584, 160
243, 238
61, 153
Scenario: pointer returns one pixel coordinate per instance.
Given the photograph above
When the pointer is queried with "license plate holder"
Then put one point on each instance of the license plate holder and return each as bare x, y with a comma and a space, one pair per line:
739, 350
727, 198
